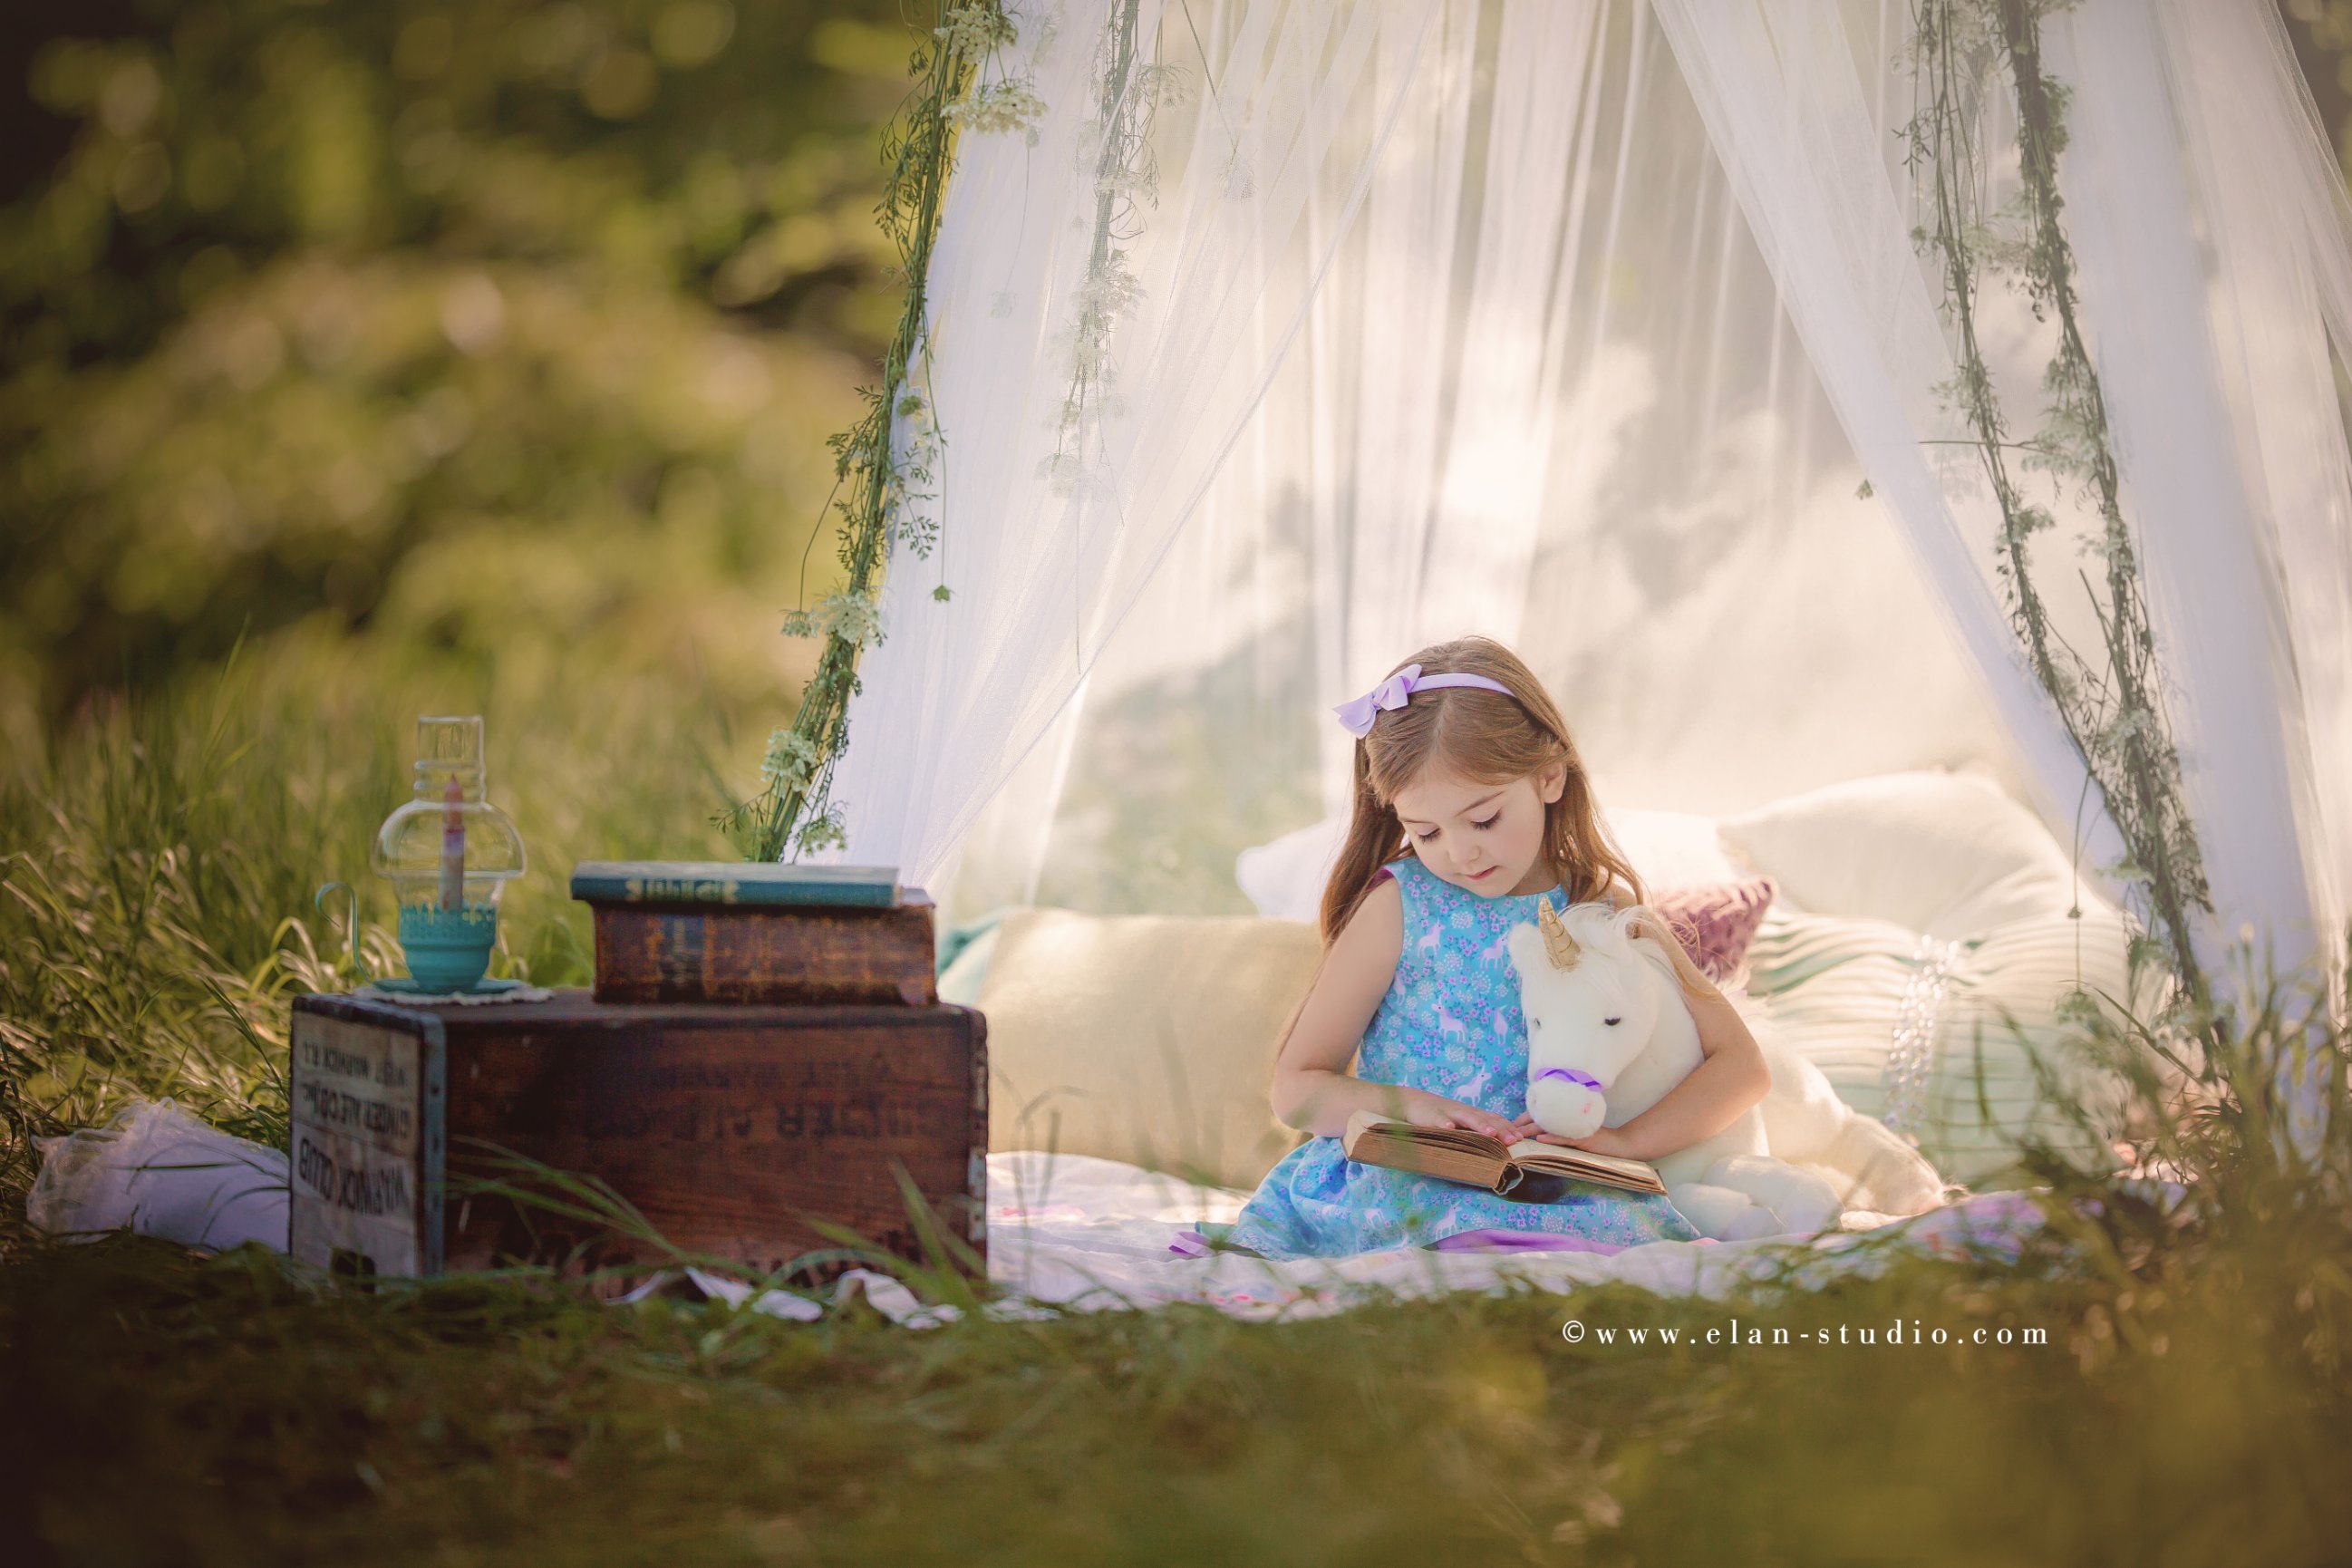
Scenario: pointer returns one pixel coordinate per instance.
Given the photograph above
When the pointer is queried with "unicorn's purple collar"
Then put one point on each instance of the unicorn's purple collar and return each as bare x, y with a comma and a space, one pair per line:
1573, 1075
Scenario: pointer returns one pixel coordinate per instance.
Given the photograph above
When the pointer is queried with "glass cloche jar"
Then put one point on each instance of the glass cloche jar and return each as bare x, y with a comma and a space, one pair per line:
448, 853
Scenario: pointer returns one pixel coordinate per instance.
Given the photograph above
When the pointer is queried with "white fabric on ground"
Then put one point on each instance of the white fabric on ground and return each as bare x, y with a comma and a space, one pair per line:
1093, 1234
1065, 1231
161, 1171
1071, 1233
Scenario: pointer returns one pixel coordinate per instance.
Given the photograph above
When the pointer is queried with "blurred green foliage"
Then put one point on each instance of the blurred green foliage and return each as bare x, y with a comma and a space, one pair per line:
2321, 31
507, 330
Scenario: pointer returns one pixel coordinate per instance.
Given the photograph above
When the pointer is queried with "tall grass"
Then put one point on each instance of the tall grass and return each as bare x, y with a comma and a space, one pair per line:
158, 860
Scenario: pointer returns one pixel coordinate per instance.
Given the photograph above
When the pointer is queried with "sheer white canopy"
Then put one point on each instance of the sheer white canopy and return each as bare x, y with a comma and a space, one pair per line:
1582, 323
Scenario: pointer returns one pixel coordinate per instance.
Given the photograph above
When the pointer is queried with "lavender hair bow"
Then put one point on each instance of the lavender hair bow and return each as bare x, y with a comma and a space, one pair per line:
1359, 713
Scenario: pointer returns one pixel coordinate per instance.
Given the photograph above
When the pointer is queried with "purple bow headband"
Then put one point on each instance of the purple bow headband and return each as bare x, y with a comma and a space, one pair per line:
1358, 714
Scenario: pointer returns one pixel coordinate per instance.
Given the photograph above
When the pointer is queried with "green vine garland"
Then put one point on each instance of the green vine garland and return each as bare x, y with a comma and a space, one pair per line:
2112, 711
883, 463
1129, 92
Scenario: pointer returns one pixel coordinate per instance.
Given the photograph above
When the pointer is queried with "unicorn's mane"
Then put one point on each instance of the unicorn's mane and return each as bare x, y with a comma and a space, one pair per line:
1599, 925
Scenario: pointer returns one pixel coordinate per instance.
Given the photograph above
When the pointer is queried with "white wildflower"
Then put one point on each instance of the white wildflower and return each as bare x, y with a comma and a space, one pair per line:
1008, 105
822, 831
853, 617
791, 761
975, 32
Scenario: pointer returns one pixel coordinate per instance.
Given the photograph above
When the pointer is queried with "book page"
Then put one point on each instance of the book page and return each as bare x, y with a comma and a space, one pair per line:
1528, 1150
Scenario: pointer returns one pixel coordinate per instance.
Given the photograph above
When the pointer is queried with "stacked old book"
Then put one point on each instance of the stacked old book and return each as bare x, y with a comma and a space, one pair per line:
683, 930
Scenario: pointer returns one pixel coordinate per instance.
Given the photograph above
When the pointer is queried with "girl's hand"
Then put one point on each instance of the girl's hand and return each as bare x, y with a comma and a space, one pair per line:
1600, 1141
1423, 1109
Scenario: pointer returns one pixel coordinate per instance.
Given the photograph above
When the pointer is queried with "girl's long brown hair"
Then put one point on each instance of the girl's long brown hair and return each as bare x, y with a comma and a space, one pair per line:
1483, 737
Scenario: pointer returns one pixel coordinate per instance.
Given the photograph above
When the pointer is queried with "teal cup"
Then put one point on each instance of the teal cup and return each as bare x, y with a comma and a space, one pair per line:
448, 950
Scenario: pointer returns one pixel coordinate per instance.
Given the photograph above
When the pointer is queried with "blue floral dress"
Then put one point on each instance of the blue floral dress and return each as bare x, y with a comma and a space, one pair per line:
1451, 1024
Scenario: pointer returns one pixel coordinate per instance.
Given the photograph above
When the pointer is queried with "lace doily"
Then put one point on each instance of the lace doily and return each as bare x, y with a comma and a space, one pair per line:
373, 993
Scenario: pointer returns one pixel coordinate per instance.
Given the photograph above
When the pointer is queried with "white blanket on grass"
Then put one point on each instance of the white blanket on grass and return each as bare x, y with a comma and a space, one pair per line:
1066, 1232
1088, 1234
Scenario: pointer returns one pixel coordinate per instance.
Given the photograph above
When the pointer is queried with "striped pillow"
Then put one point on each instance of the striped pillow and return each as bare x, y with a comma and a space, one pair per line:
1916, 1030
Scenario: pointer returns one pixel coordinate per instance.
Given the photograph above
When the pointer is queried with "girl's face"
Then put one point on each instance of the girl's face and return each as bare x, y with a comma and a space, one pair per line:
1484, 836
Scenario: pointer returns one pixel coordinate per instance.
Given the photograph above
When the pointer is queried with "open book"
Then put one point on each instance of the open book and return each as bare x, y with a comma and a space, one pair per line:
1455, 1154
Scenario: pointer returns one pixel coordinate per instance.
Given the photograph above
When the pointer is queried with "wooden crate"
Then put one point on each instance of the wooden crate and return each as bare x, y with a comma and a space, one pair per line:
729, 1128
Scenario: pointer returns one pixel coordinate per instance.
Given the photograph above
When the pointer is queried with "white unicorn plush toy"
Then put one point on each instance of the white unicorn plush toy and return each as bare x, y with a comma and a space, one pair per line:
1609, 1033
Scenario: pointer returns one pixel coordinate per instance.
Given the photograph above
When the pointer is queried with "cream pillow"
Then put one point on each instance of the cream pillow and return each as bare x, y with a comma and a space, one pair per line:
1673, 848
1947, 854
1151, 1037
1284, 878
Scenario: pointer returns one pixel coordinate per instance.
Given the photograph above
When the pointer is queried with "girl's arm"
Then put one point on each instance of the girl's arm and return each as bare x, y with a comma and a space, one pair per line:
1312, 1087
1718, 1091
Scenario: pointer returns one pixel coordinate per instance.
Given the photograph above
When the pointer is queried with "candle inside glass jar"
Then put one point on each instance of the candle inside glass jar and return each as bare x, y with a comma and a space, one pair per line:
453, 847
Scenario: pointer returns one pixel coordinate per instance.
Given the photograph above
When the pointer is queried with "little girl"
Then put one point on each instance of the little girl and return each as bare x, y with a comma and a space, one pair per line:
1463, 760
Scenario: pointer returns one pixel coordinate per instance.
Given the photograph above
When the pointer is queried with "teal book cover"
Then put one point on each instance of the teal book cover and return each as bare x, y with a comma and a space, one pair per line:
734, 882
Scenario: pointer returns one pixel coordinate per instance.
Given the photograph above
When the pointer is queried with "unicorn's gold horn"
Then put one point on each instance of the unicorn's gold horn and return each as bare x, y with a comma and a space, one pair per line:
1559, 946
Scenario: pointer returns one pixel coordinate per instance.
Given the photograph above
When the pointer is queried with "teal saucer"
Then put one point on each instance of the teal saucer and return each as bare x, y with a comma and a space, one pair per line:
406, 984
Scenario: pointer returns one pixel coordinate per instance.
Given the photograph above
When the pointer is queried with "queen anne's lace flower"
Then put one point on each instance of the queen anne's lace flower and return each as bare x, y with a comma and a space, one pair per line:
1000, 106
824, 831
791, 759
850, 616
975, 32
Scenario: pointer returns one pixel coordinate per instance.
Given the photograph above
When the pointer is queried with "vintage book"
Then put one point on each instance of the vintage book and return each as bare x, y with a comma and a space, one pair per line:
734, 1131
1525, 1170
756, 953
733, 882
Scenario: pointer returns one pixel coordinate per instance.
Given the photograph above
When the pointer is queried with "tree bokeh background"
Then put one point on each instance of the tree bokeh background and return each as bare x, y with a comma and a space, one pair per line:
2322, 32
510, 330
